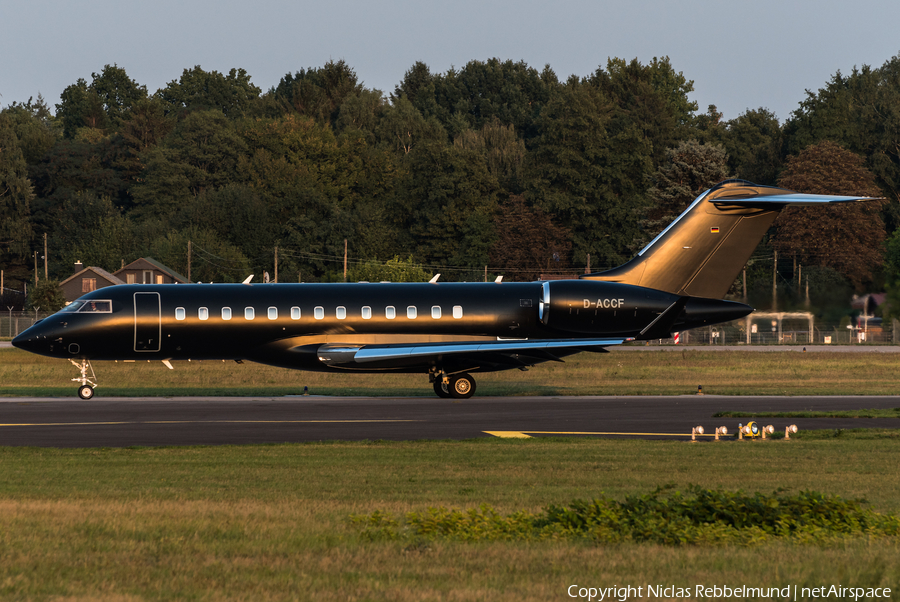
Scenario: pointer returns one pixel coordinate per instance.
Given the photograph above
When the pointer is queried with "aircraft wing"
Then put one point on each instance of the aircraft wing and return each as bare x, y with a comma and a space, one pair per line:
542, 350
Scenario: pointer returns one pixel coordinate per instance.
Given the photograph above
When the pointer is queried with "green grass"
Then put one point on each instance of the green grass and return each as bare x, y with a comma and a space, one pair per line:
273, 522
863, 413
619, 373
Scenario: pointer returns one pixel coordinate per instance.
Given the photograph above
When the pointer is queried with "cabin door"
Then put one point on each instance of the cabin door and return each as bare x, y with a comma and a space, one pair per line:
147, 322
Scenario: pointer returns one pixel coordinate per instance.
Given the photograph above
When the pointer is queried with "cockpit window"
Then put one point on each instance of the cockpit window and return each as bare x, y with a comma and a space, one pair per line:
73, 306
96, 307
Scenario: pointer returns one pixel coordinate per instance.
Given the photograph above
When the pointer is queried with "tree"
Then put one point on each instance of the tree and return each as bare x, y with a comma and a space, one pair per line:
528, 242
445, 204
502, 150
402, 128
16, 195
689, 169
846, 237
861, 112
652, 98
319, 93
754, 143
89, 228
592, 181
202, 154
35, 128
46, 296
199, 90
392, 270
100, 105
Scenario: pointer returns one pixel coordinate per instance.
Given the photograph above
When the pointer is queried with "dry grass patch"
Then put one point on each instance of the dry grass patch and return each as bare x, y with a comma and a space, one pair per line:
649, 372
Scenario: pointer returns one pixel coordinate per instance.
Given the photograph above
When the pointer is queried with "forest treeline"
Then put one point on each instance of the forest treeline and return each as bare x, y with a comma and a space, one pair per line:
494, 166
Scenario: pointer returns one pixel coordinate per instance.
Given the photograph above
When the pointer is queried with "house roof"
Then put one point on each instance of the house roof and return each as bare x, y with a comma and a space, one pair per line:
98, 271
149, 263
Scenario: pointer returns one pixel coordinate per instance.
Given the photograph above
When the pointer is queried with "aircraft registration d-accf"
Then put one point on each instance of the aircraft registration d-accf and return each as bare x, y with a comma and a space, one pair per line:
443, 329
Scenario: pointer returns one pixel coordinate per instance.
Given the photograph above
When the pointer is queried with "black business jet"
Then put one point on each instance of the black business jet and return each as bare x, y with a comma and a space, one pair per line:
445, 330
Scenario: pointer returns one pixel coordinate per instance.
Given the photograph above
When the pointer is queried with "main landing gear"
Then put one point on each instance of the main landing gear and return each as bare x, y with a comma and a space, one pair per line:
458, 386
86, 390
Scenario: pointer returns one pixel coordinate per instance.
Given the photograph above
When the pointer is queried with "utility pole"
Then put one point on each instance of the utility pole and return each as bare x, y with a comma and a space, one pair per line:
587, 269
35, 269
276, 264
745, 285
774, 283
345, 260
46, 273
189, 261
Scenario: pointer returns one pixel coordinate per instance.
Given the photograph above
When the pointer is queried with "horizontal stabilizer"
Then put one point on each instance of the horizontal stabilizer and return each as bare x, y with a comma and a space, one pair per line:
794, 198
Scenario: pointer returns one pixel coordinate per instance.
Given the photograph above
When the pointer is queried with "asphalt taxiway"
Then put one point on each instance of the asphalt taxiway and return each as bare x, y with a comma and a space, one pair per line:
156, 421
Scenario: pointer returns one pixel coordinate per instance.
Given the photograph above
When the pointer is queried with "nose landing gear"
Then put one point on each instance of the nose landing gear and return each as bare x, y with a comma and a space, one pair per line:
86, 390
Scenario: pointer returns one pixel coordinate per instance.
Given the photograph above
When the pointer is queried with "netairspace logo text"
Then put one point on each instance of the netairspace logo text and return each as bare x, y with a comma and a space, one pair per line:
790, 592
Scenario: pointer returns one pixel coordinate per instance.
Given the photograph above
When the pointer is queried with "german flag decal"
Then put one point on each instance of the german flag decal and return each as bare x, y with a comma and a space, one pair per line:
714, 230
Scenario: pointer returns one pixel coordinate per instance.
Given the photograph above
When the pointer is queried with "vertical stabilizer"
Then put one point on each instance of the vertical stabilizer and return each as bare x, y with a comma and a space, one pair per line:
704, 249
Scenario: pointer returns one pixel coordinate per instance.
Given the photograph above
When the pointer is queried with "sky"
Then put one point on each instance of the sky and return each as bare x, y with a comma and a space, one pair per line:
740, 54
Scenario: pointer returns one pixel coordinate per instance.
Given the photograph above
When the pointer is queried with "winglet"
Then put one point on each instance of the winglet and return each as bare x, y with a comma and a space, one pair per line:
247, 280
498, 279
435, 279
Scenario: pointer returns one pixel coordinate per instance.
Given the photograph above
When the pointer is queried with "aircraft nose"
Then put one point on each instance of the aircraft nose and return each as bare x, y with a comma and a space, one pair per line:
37, 339
24, 341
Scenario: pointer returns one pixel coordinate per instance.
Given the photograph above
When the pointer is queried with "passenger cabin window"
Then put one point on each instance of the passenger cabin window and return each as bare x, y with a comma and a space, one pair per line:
340, 312
366, 312
248, 313
273, 313
411, 312
179, 313
319, 313
389, 312
203, 313
295, 313
436, 312
226, 313
457, 312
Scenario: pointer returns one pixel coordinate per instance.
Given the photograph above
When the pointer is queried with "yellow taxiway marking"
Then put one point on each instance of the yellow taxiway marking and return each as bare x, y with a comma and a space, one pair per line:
527, 434
201, 422
509, 434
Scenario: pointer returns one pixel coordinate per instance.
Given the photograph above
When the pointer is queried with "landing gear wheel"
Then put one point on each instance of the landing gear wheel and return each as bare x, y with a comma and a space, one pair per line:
85, 391
441, 389
462, 386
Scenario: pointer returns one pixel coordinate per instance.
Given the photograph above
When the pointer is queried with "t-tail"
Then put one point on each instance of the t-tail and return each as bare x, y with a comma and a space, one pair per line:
702, 252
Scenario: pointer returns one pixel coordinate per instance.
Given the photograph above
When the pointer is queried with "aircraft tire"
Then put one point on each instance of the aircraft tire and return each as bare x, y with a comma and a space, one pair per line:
441, 390
85, 392
462, 386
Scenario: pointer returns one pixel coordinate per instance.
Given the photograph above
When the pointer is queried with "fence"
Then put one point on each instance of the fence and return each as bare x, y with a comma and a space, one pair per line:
735, 333
14, 322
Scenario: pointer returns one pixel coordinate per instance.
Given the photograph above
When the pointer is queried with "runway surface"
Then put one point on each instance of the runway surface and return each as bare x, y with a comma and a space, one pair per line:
131, 421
